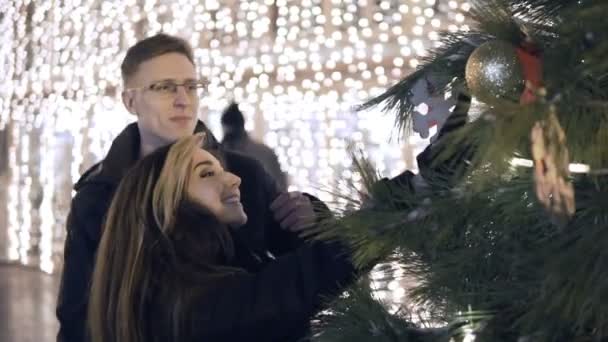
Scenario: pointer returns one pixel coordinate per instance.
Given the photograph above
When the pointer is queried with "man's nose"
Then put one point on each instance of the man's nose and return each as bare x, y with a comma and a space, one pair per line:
182, 98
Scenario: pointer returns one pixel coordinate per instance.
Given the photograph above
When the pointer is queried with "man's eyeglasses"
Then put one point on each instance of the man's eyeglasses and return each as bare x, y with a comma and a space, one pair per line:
168, 87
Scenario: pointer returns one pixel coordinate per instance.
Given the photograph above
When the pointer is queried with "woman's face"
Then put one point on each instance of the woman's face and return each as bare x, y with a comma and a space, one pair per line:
216, 189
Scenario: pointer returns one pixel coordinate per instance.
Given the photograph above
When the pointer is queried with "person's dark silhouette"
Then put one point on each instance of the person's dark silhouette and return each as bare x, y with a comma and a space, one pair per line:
237, 139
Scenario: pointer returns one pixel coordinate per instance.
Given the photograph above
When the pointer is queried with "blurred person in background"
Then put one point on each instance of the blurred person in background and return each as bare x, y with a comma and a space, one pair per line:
237, 139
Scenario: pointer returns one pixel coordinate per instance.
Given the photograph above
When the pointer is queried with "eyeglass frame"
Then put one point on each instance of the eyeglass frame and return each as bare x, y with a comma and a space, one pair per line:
201, 84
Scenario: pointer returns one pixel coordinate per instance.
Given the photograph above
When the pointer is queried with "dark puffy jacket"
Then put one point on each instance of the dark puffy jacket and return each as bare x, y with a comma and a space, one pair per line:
274, 304
261, 236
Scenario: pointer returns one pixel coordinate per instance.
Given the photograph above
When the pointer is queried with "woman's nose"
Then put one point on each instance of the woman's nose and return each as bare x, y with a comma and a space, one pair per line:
233, 180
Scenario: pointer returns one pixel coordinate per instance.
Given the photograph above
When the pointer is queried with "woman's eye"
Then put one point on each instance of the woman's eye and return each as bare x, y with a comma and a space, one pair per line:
207, 174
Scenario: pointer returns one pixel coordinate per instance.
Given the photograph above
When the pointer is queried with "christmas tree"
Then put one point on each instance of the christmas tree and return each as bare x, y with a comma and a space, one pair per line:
506, 228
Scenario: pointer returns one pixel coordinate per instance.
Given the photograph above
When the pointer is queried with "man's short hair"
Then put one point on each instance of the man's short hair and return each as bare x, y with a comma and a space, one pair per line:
151, 47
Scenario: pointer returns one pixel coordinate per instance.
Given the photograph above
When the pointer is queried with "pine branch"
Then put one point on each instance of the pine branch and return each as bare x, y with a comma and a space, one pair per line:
444, 66
359, 317
575, 278
480, 239
469, 250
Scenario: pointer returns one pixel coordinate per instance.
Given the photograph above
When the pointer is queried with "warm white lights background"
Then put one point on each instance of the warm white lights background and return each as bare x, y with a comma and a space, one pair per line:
295, 66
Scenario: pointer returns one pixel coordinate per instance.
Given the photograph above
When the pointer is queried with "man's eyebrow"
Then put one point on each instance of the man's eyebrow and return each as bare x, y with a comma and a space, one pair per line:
189, 79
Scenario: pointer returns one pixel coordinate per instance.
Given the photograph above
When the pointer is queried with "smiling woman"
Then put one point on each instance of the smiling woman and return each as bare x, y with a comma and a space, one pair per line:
216, 189
169, 268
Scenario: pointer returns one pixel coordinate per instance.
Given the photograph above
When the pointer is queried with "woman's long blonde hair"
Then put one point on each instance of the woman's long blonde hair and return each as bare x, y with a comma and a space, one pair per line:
143, 239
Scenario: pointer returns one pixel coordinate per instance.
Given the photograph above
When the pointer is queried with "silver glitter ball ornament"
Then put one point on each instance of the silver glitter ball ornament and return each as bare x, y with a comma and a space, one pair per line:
493, 72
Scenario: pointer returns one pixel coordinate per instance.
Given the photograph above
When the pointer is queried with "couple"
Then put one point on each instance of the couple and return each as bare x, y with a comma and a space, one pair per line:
168, 241
149, 254
169, 269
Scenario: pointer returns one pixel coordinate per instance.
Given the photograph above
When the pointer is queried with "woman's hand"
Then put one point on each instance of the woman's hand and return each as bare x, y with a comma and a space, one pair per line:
294, 211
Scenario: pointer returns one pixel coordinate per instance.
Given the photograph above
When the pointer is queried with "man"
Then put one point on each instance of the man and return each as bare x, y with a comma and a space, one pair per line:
162, 89
237, 139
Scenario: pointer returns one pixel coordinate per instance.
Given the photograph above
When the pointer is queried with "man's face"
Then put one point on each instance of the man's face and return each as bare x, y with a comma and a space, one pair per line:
163, 116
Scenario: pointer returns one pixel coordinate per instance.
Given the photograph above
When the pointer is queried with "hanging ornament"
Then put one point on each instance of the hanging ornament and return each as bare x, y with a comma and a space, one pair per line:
551, 161
493, 71
532, 68
433, 107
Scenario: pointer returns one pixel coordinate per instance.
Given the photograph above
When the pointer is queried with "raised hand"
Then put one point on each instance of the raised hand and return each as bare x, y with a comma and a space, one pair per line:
294, 211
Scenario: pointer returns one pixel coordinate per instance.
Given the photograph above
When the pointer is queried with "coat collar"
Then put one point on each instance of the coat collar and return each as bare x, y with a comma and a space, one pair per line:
123, 154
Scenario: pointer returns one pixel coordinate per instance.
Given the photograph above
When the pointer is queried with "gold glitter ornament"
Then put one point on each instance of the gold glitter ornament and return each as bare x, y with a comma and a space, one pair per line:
493, 71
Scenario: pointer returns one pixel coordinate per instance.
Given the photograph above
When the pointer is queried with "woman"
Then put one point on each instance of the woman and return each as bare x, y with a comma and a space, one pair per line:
168, 268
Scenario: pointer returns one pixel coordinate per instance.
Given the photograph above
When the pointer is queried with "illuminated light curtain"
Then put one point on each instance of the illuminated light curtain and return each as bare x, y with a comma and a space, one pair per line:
297, 68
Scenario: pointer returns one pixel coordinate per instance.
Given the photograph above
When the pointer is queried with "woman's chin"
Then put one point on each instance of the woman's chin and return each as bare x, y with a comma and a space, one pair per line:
237, 220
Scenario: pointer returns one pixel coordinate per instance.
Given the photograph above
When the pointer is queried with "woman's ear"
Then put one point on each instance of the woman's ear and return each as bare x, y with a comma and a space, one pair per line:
127, 100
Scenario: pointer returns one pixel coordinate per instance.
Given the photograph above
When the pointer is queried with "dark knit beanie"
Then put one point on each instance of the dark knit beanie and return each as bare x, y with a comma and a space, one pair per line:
232, 116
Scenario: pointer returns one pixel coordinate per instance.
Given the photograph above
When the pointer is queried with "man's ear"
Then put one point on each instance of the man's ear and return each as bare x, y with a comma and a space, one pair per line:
127, 100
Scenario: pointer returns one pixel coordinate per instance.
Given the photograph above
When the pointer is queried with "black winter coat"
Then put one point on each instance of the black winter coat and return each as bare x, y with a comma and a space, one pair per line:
262, 236
272, 305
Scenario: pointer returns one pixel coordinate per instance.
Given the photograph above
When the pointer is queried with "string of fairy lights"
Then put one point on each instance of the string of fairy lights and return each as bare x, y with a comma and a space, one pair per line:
296, 68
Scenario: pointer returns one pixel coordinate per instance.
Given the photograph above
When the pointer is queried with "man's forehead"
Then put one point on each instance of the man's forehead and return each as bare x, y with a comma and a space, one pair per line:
171, 66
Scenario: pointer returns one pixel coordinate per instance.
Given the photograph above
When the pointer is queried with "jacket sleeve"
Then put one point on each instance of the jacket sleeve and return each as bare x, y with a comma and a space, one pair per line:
434, 173
83, 232
451, 167
278, 240
273, 303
